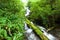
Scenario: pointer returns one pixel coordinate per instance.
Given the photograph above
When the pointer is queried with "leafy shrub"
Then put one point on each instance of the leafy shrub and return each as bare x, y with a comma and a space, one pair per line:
46, 11
11, 20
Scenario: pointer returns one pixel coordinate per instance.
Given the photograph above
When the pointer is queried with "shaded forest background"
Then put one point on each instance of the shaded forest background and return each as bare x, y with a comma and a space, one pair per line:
45, 12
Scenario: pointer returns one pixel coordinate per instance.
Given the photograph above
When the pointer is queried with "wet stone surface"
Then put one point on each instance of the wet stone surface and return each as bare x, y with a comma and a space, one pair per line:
56, 33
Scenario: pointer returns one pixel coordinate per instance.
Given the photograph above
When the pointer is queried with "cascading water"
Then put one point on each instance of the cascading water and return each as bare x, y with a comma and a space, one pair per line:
30, 34
27, 11
49, 36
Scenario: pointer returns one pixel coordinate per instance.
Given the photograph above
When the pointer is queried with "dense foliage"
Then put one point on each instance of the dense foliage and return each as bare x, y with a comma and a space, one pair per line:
11, 20
45, 12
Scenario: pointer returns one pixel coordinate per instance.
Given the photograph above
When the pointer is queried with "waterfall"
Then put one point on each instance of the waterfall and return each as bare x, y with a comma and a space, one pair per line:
48, 35
30, 34
27, 11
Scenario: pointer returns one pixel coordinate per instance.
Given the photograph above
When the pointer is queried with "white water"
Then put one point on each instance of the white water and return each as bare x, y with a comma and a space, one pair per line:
27, 11
30, 34
48, 35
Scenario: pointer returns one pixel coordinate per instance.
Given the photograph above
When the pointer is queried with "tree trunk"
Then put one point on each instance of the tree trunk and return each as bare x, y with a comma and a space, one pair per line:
37, 30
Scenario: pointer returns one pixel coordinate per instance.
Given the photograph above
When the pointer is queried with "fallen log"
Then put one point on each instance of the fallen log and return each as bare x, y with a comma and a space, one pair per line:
37, 30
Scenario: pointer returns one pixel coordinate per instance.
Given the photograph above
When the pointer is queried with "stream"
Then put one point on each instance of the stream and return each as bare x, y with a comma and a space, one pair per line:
31, 35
